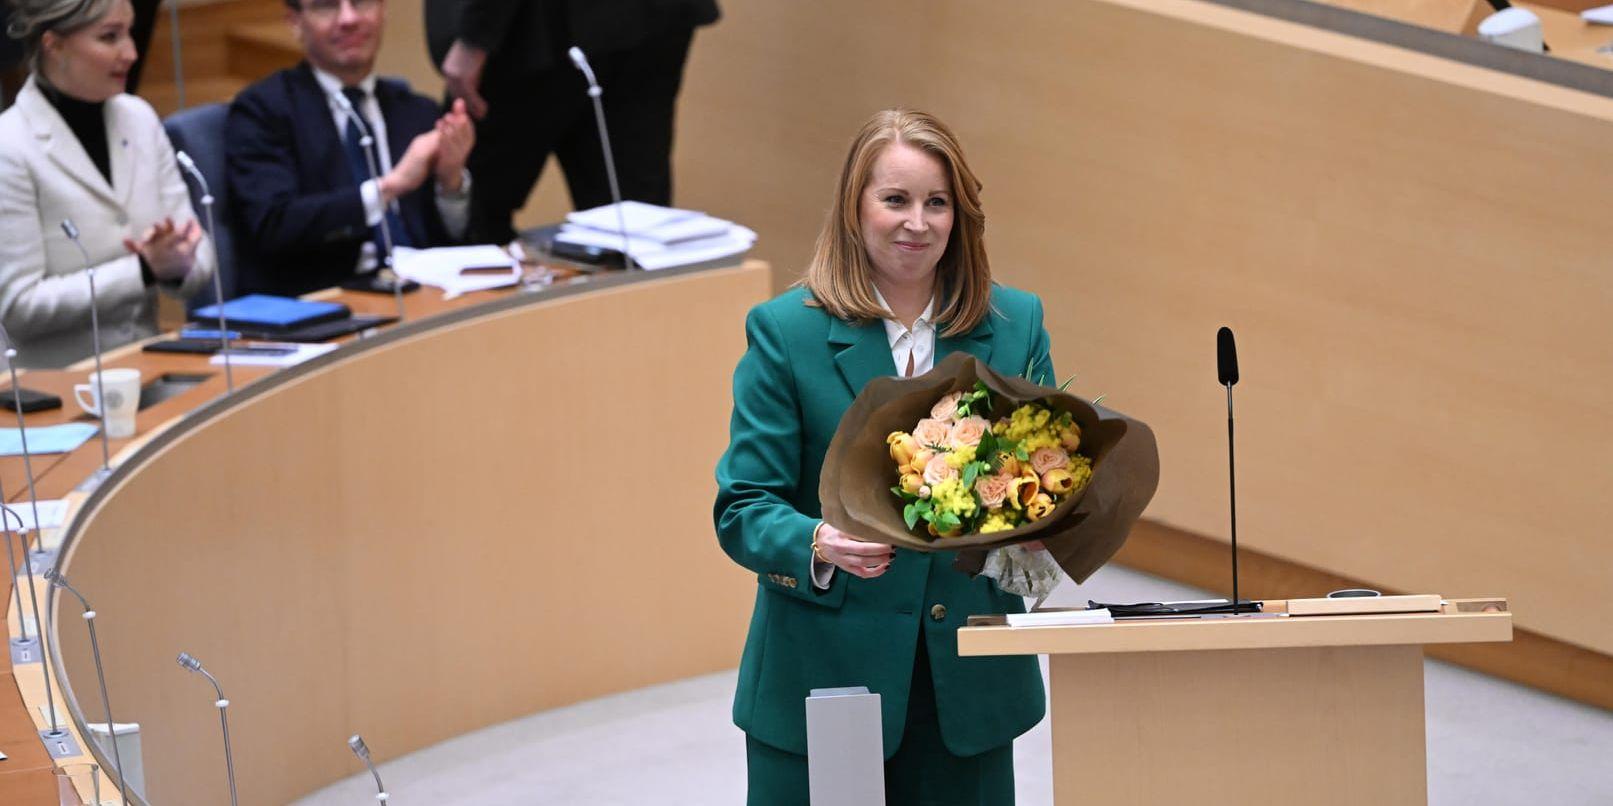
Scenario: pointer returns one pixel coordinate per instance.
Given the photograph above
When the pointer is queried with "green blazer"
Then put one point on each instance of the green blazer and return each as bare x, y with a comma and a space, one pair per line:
799, 374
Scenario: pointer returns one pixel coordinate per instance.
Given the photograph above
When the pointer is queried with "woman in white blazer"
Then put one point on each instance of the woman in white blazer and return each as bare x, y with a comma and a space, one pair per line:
74, 146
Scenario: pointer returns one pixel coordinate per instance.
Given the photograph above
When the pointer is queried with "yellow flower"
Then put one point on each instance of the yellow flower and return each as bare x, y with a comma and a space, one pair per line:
1058, 481
997, 521
950, 496
1022, 490
1080, 471
911, 483
903, 446
959, 457
1039, 507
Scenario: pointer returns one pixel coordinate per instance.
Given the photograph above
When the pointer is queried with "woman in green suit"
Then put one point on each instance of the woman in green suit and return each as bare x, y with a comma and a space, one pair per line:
899, 280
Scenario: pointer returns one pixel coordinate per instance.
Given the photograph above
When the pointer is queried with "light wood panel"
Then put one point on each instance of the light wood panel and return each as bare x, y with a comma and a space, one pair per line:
482, 520
1255, 633
1320, 726
1529, 658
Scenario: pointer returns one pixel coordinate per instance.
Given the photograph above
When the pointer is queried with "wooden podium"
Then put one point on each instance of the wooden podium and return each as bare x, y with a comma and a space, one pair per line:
1241, 710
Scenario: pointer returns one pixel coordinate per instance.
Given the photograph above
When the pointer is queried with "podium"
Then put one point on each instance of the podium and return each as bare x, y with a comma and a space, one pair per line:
1270, 709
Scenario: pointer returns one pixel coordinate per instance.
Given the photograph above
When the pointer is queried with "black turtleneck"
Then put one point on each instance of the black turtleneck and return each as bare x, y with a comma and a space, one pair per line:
87, 120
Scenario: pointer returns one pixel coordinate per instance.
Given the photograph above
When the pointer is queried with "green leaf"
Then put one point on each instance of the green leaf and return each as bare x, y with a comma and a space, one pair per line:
947, 522
988, 445
910, 513
970, 471
1099, 399
1067, 382
1021, 454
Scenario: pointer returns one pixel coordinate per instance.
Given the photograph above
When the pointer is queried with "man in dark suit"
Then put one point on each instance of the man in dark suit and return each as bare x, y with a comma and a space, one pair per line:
309, 215
507, 60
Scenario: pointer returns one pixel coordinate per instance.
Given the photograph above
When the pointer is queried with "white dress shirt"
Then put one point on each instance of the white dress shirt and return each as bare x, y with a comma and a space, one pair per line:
453, 207
914, 344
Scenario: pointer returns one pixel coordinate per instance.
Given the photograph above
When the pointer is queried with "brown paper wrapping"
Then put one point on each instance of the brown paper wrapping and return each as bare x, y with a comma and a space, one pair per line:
1082, 532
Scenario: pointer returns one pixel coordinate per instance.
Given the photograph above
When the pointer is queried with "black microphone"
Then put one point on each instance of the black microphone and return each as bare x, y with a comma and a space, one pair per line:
1226, 356
1226, 366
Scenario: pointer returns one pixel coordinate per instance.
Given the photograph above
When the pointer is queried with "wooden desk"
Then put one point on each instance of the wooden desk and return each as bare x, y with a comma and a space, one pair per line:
481, 504
1239, 710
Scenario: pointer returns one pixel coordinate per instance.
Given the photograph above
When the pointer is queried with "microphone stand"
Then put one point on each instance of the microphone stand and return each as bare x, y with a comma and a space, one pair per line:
191, 664
356, 742
189, 165
54, 732
95, 338
45, 559
55, 578
594, 92
1233, 493
367, 144
23, 643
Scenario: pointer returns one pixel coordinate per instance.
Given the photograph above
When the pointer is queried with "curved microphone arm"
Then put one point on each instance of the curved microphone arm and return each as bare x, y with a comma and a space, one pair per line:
190, 663
580, 59
71, 230
370, 144
356, 743
56, 578
189, 166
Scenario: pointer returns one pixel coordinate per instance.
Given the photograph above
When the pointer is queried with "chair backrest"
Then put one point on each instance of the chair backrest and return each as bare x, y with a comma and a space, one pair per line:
199, 132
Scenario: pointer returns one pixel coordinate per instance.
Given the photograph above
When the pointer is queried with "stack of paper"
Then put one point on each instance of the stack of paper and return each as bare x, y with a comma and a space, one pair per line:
657, 237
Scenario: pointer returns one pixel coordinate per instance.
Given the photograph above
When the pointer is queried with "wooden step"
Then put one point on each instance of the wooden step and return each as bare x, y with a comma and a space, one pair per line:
254, 50
203, 29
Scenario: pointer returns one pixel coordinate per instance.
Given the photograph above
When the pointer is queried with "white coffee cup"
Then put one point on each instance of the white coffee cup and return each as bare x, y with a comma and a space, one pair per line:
122, 400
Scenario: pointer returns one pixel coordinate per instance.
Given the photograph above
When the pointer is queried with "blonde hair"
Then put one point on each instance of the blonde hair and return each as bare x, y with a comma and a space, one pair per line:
840, 275
32, 19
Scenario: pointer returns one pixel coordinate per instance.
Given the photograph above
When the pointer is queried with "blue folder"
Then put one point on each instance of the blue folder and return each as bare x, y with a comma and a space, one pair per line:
261, 311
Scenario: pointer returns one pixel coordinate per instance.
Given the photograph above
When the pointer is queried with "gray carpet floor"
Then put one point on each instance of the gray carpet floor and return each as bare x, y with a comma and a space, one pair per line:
1490, 742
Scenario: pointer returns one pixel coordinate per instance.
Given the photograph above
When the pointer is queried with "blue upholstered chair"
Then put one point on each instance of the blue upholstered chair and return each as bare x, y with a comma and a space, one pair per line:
199, 132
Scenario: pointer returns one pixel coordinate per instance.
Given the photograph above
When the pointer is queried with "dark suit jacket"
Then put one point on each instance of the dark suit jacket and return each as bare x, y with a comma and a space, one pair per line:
523, 37
300, 218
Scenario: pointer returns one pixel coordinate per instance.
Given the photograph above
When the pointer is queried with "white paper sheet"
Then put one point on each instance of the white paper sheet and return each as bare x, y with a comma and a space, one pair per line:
51, 514
440, 267
638, 216
301, 353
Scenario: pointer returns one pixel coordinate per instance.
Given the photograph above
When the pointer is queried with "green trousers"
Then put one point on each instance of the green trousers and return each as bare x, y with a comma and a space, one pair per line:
921, 773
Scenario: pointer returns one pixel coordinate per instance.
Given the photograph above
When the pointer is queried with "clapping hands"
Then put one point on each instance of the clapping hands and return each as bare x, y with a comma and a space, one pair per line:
440, 152
169, 249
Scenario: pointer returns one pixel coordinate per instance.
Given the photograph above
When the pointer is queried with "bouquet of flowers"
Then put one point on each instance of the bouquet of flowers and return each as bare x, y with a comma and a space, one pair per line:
961, 474
987, 462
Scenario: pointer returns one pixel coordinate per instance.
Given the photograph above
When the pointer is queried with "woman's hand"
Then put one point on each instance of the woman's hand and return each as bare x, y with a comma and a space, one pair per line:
168, 249
854, 556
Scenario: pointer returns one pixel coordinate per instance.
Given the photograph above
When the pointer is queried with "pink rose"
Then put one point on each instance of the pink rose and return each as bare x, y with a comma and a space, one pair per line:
1045, 459
946, 409
931, 432
967, 432
993, 489
939, 470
